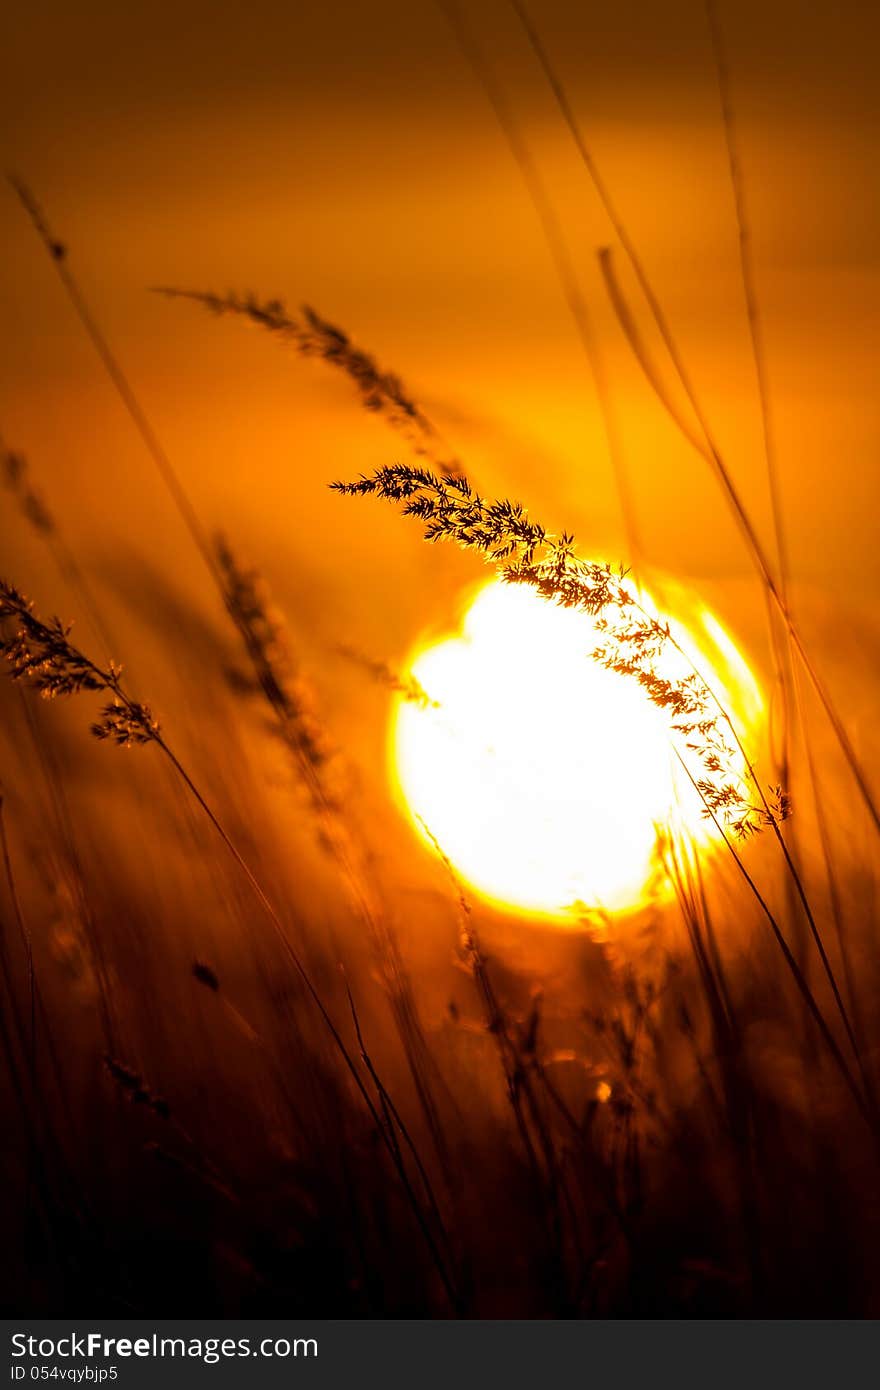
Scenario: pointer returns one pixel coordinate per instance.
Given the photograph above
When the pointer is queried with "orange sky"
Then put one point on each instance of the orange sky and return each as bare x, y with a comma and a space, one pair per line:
343, 154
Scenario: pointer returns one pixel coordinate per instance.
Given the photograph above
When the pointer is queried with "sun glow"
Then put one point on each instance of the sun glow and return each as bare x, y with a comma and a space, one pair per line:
544, 776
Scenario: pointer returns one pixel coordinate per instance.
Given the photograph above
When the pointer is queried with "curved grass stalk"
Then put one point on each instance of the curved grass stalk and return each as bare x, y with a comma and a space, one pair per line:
524, 552
719, 464
43, 654
382, 392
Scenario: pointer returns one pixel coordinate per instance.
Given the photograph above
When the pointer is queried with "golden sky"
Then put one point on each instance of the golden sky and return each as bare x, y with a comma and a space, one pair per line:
344, 155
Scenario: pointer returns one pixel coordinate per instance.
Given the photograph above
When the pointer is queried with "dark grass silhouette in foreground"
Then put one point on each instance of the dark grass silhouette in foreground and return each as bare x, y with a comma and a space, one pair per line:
592, 1182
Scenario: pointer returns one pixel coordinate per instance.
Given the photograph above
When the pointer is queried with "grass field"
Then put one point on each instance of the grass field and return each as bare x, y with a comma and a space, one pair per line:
265, 1050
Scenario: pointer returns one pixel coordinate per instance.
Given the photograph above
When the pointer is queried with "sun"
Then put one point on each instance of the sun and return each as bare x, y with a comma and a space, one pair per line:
542, 775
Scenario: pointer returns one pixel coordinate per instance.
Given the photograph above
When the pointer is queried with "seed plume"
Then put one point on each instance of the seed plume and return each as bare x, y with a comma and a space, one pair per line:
381, 392
632, 640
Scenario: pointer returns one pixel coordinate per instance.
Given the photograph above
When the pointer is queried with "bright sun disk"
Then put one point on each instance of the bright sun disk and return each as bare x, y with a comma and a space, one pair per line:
542, 775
